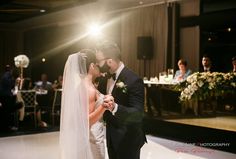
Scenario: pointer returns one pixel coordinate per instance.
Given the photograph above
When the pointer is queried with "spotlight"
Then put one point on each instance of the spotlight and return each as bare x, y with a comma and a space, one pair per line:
43, 59
229, 29
95, 29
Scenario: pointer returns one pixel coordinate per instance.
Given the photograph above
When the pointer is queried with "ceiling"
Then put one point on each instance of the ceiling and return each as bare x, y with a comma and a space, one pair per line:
13, 11
17, 10
28, 14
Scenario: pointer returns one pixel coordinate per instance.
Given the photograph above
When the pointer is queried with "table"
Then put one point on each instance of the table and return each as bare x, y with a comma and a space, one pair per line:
161, 96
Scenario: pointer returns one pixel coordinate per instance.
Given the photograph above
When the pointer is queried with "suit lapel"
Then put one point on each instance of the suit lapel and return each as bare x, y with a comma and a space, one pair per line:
119, 79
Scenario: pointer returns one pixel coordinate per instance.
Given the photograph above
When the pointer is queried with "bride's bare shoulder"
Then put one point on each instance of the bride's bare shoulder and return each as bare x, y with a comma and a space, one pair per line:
92, 91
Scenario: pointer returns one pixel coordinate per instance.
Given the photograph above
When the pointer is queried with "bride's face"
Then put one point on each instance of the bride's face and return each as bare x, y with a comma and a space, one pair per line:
94, 69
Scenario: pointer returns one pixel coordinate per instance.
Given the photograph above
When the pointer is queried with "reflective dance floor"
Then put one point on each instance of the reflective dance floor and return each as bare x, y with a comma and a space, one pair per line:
45, 146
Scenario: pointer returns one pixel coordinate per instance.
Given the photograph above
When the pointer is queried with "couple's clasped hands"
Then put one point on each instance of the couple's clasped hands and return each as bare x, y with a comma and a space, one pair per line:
108, 102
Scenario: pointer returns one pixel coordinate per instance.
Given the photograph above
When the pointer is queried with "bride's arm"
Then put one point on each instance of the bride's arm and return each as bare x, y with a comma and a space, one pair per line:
94, 114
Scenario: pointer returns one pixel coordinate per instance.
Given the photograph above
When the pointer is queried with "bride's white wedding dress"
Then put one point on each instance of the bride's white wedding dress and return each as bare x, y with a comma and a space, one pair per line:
97, 135
77, 139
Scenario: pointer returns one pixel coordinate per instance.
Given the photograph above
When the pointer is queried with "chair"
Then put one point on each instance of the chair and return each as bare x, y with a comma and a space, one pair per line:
30, 103
56, 105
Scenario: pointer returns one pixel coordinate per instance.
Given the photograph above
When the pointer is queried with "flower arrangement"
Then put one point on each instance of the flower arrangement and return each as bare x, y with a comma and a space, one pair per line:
21, 61
121, 86
207, 85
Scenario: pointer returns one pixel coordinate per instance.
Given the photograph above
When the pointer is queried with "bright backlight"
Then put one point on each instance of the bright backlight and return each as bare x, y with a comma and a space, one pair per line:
95, 29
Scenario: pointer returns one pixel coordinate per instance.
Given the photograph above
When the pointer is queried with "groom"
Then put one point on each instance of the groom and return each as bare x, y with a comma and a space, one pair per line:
124, 132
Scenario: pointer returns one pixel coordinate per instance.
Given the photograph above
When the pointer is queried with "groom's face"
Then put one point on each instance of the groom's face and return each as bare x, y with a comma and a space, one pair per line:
102, 62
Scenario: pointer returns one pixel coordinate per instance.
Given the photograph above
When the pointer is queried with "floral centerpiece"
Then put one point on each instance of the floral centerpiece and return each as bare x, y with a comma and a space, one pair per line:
205, 85
21, 61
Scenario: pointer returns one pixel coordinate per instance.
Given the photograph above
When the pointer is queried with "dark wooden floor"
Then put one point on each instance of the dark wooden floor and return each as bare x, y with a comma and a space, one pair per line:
202, 136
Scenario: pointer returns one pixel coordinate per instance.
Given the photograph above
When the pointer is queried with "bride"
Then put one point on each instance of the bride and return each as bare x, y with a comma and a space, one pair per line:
82, 107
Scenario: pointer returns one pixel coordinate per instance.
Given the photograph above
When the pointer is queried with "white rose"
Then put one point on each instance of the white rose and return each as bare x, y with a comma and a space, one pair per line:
120, 84
233, 84
200, 83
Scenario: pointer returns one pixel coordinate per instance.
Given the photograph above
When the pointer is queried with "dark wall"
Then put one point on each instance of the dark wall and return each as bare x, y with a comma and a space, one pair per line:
10, 46
217, 40
217, 5
221, 47
54, 44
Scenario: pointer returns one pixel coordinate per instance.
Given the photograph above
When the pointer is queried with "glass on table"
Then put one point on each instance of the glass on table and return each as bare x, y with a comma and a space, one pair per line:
170, 74
170, 71
162, 76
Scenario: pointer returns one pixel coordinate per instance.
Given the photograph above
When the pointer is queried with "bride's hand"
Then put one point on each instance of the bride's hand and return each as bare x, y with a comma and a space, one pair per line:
108, 102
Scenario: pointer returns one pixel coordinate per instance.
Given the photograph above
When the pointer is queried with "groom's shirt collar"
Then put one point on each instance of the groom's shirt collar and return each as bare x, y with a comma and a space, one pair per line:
120, 68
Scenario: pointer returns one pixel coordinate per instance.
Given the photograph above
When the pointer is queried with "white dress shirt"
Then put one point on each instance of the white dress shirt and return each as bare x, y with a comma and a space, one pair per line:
111, 83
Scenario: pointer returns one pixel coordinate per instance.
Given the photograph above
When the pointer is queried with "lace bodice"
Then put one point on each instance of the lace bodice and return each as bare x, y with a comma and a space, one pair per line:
99, 99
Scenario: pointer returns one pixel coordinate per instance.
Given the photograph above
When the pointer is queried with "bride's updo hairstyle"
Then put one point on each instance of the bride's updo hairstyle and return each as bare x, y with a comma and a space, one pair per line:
89, 55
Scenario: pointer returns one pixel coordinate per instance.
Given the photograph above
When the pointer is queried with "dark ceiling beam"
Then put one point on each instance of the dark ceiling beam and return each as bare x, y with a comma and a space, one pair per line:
219, 19
5, 2
13, 11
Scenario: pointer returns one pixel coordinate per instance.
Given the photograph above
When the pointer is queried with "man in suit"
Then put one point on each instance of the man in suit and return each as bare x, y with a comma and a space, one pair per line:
212, 103
7, 98
206, 64
125, 135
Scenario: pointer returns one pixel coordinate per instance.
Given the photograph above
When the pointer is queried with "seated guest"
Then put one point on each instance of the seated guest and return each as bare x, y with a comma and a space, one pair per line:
183, 72
212, 103
58, 83
206, 64
44, 84
229, 101
27, 84
234, 64
44, 93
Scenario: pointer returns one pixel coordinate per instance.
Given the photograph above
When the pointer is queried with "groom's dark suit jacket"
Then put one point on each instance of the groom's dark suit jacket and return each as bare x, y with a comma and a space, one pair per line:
125, 127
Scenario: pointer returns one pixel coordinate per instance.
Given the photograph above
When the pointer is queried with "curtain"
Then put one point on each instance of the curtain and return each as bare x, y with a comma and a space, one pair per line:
172, 55
147, 21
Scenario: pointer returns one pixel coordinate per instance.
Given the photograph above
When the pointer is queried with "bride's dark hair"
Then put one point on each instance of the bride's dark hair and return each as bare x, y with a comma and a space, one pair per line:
89, 54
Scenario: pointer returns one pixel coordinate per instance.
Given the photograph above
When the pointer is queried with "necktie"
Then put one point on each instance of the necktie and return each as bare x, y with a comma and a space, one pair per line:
113, 76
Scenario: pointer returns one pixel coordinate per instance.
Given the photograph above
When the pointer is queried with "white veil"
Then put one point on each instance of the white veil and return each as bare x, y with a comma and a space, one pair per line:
74, 125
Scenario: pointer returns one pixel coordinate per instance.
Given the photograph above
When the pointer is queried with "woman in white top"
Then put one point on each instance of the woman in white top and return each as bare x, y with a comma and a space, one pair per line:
183, 72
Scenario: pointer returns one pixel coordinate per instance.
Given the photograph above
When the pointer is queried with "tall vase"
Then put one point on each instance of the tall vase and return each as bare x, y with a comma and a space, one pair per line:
21, 72
21, 78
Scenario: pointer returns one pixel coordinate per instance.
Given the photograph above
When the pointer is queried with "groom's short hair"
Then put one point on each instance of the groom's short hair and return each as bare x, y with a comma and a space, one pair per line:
109, 50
